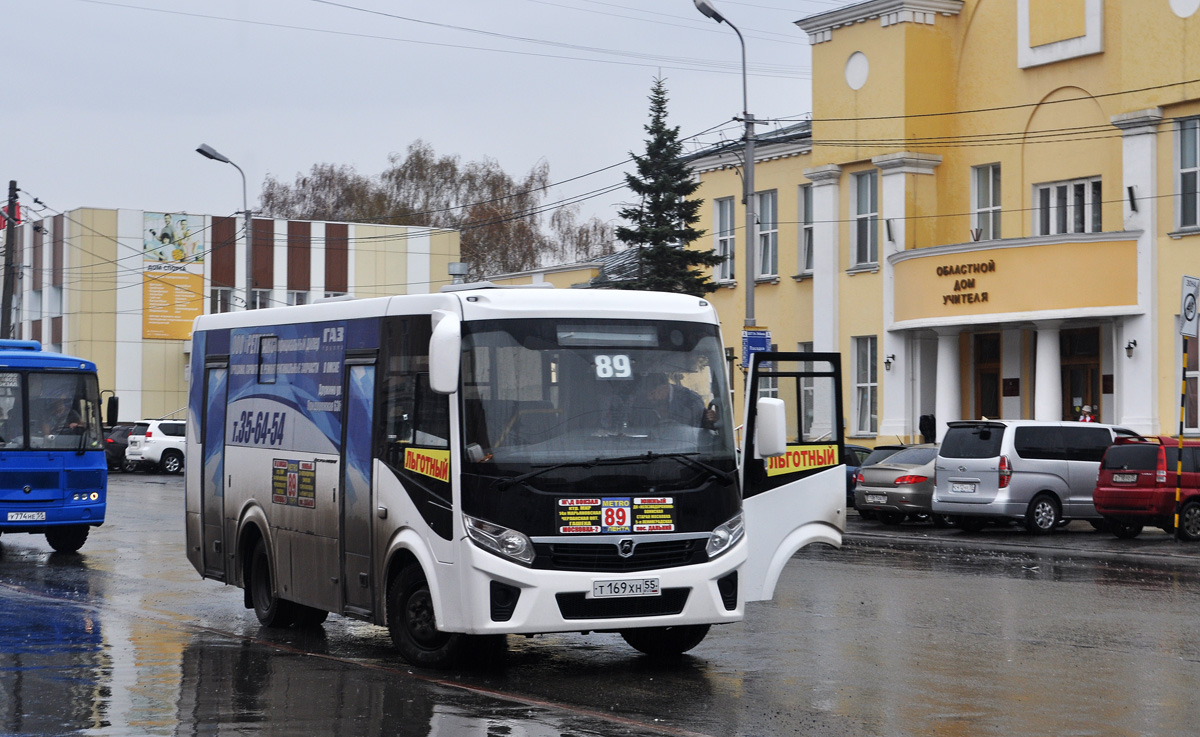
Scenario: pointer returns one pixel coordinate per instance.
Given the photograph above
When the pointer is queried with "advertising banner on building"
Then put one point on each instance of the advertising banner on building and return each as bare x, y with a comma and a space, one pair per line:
172, 274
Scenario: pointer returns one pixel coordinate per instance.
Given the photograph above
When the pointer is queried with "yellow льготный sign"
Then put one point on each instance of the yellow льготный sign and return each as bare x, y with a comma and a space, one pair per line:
432, 463
802, 458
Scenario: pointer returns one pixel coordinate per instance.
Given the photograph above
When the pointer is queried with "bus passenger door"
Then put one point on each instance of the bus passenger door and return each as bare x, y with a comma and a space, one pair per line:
212, 479
798, 498
356, 504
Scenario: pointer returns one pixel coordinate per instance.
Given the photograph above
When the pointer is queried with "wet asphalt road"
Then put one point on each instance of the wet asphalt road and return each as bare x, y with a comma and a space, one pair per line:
908, 631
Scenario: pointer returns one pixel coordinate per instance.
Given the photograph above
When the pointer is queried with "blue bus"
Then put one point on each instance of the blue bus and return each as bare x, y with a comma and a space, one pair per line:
52, 467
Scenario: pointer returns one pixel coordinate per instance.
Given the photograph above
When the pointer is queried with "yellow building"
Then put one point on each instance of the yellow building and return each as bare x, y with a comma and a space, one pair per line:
121, 287
991, 216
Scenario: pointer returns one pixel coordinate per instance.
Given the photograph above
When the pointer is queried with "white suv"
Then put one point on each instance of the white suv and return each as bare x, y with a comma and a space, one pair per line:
158, 443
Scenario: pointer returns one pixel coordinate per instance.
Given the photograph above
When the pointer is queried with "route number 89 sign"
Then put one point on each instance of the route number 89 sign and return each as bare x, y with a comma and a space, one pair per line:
613, 367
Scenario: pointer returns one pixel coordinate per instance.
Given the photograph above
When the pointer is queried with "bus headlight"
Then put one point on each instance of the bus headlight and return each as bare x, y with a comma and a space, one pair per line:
499, 540
726, 536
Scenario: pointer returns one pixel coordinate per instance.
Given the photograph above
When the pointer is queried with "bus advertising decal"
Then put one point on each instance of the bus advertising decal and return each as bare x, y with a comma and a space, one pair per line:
294, 483
802, 458
285, 386
615, 515
432, 463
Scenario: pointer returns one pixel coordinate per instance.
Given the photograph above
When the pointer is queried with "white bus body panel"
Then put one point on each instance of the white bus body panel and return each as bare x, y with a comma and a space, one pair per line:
781, 521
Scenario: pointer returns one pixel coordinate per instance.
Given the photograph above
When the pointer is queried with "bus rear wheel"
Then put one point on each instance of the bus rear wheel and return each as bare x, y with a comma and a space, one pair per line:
412, 623
666, 642
269, 608
67, 539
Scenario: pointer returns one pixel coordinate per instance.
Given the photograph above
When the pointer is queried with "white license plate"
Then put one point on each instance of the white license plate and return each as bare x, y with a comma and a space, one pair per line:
26, 516
625, 587
876, 498
962, 488
1124, 478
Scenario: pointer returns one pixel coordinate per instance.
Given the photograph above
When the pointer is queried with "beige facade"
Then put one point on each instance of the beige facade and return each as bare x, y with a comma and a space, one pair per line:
84, 283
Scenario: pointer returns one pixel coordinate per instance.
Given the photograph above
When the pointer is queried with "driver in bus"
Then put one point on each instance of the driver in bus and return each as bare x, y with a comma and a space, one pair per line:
675, 402
61, 416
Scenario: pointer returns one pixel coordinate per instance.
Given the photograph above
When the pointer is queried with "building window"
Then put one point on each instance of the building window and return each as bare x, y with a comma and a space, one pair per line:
768, 233
806, 229
1068, 207
329, 295
866, 385
297, 298
866, 219
220, 300
768, 386
985, 216
725, 239
1189, 173
260, 299
807, 392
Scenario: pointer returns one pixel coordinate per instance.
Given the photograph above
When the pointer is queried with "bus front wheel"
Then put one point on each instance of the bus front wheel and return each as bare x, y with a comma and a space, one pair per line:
664, 642
67, 539
413, 623
269, 608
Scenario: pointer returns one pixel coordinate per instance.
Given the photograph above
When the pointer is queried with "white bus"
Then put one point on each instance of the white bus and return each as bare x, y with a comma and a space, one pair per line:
487, 461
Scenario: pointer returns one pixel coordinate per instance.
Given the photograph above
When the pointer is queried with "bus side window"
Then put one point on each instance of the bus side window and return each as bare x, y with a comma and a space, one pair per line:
415, 415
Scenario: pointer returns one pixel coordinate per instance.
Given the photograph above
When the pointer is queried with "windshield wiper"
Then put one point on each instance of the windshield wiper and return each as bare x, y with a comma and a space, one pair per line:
725, 477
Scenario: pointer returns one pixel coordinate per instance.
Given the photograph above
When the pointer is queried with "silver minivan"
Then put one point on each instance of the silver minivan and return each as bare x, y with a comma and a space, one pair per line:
1040, 473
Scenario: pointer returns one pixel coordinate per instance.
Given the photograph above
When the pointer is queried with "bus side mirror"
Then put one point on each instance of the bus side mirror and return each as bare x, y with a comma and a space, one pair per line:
445, 352
770, 435
110, 412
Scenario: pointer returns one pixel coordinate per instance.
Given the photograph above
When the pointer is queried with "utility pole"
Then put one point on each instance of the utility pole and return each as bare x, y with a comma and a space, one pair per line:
10, 262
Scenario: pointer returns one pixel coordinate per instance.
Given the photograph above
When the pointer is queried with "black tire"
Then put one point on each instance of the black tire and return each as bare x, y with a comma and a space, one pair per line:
307, 616
970, 524
666, 642
891, 518
1124, 530
171, 462
941, 521
1043, 515
67, 539
1189, 522
129, 466
412, 623
269, 608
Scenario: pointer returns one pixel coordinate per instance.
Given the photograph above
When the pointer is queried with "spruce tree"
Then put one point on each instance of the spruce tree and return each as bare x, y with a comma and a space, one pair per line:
664, 222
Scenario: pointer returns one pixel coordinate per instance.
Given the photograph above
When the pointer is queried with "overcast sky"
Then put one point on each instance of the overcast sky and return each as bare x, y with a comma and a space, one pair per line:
106, 101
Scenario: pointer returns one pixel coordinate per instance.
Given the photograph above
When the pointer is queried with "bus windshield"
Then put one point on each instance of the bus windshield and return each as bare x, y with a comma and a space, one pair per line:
566, 390
45, 409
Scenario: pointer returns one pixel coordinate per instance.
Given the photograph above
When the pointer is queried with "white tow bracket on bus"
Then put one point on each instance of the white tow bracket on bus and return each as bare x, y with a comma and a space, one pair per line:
770, 434
445, 352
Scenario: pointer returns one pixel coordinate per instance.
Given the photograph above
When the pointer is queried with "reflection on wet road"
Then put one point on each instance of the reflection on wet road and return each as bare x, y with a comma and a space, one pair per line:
884, 637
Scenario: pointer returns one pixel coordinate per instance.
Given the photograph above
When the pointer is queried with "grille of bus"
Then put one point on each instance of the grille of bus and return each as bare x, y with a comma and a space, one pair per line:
577, 606
604, 556
39, 480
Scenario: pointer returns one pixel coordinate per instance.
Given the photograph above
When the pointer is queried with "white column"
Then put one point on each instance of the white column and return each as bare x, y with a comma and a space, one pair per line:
1047, 396
1136, 377
279, 262
826, 256
896, 404
948, 402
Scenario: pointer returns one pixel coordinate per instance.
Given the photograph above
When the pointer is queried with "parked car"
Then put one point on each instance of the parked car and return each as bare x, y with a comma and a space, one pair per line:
1039, 473
855, 454
158, 444
872, 455
900, 486
114, 449
1137, 482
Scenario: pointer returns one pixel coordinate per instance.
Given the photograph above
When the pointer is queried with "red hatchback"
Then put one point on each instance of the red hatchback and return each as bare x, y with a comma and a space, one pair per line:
1136, 486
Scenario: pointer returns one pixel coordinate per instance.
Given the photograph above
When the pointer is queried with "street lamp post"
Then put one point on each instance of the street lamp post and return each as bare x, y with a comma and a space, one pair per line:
708, 9
209, 152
